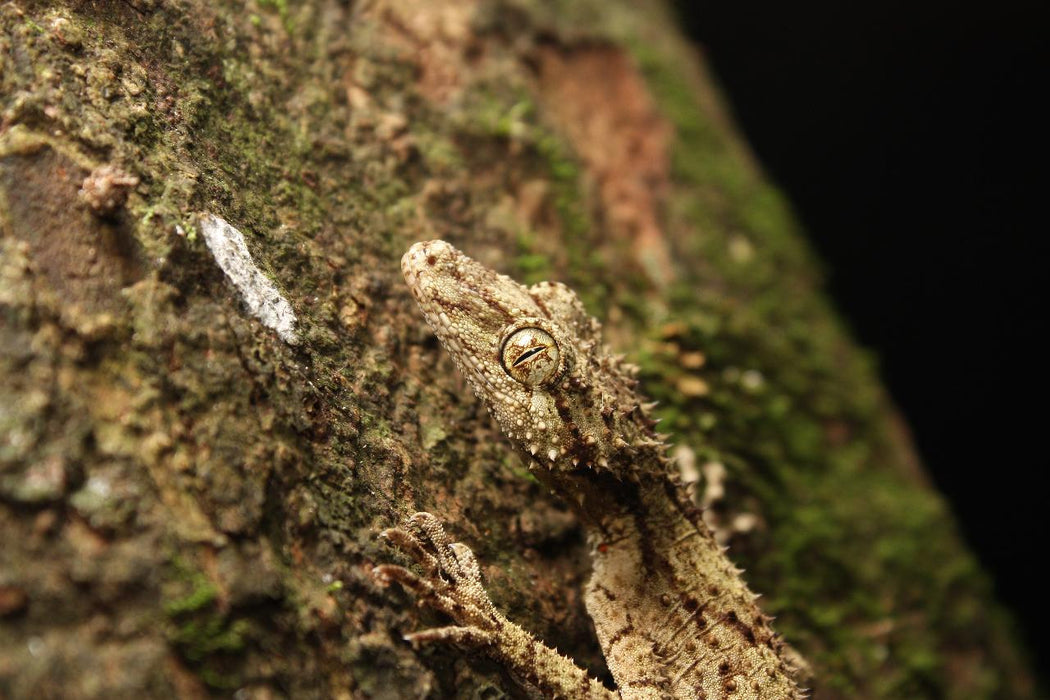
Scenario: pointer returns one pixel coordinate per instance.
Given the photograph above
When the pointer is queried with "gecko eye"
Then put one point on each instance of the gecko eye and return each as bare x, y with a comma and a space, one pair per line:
531, 356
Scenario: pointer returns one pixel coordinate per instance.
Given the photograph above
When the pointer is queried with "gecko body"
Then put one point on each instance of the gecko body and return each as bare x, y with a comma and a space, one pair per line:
672, 615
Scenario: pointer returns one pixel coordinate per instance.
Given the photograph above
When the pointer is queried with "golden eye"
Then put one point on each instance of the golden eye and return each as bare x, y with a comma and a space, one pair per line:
531, 356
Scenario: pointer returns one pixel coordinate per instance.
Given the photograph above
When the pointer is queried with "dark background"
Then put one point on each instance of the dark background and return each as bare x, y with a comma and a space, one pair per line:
905, 135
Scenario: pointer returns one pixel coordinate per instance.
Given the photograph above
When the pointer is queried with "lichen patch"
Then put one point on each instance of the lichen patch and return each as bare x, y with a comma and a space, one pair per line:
260, 295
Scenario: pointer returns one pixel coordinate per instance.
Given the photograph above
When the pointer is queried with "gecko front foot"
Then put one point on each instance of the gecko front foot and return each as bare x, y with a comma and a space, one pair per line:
451, 583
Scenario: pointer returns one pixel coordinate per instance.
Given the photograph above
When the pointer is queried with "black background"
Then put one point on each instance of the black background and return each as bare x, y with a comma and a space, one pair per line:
905, 134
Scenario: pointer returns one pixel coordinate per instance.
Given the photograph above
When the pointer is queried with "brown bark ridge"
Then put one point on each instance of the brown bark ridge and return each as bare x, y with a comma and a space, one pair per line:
215, 390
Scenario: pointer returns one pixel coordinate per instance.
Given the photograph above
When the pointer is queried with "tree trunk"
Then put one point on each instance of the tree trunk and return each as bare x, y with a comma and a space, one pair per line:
192, 480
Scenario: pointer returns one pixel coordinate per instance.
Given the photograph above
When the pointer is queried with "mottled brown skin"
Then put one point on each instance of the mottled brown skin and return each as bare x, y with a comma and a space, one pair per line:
673, 617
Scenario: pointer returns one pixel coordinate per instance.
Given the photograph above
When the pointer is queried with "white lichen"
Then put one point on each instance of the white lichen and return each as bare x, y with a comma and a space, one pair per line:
260, 295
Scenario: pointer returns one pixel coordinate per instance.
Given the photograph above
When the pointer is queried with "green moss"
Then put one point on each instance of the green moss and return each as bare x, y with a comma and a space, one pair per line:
437, 151
205, 634
201, 595
281, 6
200, 639
510, 122
33, 26
523, 473
529, 266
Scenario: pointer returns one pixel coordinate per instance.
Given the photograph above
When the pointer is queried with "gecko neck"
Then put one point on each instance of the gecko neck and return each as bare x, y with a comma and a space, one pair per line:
670, 609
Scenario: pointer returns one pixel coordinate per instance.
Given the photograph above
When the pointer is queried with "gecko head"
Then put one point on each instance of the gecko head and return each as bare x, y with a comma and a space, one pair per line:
532, 355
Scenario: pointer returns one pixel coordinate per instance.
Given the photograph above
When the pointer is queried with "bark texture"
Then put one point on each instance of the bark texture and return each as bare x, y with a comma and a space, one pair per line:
189, 501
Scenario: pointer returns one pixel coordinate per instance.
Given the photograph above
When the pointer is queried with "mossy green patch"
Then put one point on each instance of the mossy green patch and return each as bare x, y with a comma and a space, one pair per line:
205, 634
201, 595
281, 7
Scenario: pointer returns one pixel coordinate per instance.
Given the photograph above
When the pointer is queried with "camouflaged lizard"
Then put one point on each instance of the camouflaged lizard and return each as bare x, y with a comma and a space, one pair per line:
672, 615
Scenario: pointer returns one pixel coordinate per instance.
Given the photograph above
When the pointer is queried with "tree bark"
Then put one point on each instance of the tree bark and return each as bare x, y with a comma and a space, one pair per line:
190, 499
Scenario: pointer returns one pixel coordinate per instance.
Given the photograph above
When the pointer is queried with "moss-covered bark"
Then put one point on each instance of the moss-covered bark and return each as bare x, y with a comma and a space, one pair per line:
189, 505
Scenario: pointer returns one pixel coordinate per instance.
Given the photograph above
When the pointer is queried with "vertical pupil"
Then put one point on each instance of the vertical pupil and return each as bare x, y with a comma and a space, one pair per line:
530, 355
531, 352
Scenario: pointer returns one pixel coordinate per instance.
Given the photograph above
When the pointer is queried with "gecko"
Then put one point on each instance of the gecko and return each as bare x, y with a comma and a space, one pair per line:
672, 614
